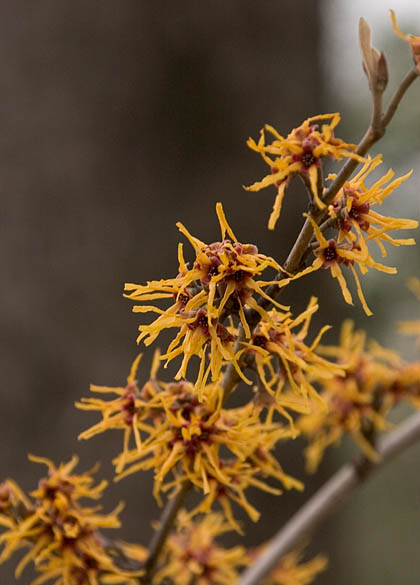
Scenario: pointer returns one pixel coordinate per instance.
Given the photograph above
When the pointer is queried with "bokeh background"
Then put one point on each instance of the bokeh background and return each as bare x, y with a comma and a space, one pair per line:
119, 119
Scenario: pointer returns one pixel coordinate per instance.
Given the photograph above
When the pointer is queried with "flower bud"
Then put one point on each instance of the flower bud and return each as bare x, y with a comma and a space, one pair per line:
374, 62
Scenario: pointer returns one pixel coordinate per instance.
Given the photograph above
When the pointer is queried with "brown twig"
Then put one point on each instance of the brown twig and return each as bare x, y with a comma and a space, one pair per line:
159, 537
398, 95
326, 499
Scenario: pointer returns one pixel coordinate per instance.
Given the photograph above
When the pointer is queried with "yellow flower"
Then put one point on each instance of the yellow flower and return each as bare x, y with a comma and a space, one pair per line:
356, 225
292, 571
221, 282
241, 475
412, 327
301, 152
208, 445
128, 410
183, 437
357, 403
406, 385
281, 355
352, 206
331, 255
412, 40
11, 497
63, 536
191, 554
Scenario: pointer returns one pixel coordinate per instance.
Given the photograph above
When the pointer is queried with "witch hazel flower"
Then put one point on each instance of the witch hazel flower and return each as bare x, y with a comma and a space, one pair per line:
300, 153
127, 410
189, 441
412, 40
283, 359
357, 401
353, 208
222, 282
356, 224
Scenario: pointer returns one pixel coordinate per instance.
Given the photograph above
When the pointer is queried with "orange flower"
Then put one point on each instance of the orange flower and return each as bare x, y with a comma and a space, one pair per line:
356, 402
128, 410
192, 555
352, 208
191, 440
221, 282
332, 255
412, 40
300, 153
406, 385
281, 355
62, 535
291, 570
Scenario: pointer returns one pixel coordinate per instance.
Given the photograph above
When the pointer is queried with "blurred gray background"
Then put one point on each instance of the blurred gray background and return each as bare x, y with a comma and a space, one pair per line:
119, 119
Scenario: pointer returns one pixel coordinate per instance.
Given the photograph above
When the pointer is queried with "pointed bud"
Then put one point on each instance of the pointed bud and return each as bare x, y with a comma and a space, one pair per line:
382, 72
374, 62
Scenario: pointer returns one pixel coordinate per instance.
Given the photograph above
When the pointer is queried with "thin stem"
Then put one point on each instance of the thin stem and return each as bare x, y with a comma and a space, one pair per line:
398, 95
231, 377
159, 537
333, 493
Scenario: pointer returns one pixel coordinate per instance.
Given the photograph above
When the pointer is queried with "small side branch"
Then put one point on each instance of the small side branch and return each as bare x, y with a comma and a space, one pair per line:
375, 131
331, 495
159, 537
411, 76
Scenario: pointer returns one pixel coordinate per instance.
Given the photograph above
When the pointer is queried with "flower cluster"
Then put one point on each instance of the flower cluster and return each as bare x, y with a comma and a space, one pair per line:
221, 282
192, 555
358, 403
356, 224
282, 357
63, 537
300, 153
188, 433
221, 451
127, 411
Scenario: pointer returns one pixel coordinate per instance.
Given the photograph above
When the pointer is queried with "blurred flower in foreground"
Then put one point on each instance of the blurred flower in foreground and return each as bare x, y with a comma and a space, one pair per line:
292, 571
221, 282
412, 327
191, 554
412, 40
357, 403
301, 152
406, 385
63, 537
